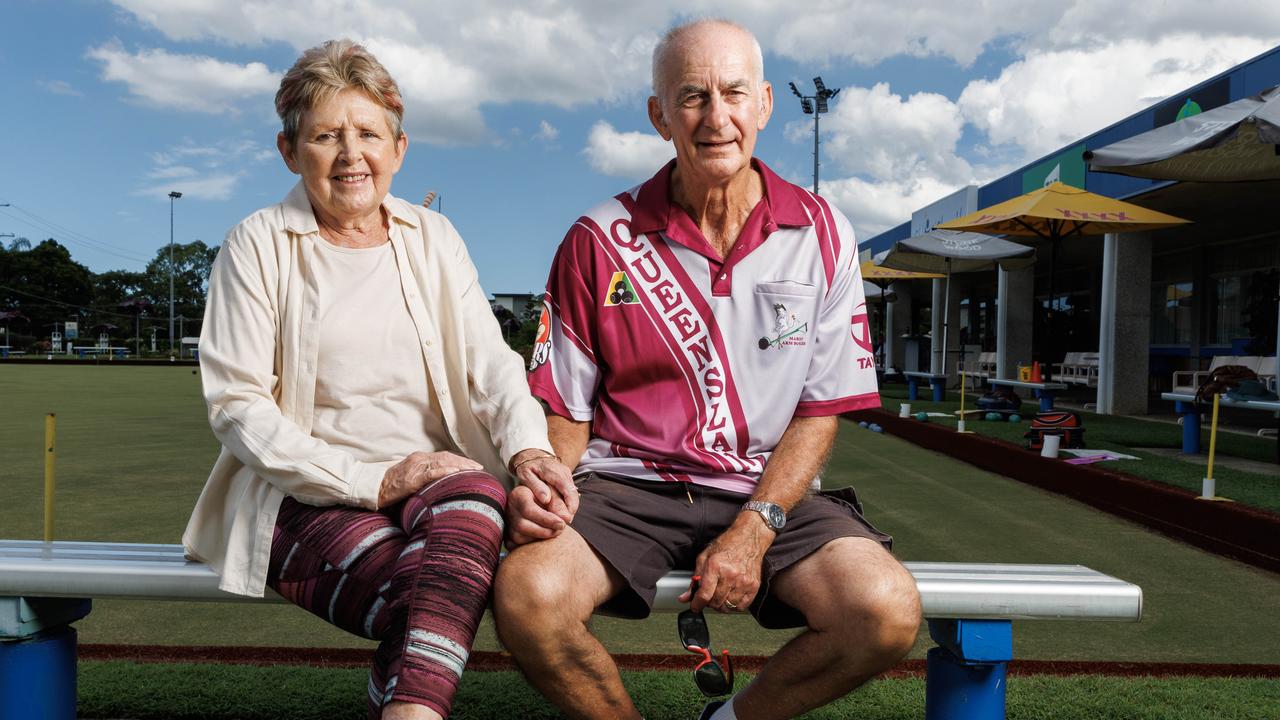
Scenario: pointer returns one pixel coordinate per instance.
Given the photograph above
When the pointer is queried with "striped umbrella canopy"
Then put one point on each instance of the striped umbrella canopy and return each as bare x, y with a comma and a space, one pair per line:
1237, 141
950, 251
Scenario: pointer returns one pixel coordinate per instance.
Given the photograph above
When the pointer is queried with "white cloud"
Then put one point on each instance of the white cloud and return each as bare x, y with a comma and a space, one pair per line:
900, 154
632, 155
874, 207
450, 59
191, 83
547, 132
219, 186
203, 172
1055, 97
59, 87
172, 171
455, 58
872, 132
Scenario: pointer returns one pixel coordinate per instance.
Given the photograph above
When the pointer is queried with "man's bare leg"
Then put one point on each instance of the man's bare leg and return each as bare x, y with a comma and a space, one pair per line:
544, 595
863, 613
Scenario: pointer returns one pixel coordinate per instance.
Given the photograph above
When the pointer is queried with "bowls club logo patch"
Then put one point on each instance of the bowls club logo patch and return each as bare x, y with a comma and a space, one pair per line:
620, 291
787, 329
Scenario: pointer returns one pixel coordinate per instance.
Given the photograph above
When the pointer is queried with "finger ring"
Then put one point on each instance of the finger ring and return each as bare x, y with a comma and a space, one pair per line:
730, 605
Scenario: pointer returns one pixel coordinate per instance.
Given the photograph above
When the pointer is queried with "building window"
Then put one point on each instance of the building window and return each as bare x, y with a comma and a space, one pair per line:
1228, 309
1171, 313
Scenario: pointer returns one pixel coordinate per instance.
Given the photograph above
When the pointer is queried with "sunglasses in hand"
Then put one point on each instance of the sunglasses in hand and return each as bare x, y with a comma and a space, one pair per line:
712, 678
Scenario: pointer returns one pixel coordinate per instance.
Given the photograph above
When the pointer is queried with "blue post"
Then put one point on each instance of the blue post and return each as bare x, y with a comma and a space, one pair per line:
1046, 400
913, 388
38, 657
38, 676
966, 672
939, 389
1190, 426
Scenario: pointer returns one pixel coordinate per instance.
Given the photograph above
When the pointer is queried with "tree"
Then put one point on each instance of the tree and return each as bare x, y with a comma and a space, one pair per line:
19, 245
523, 338
192, 264
113, 287
46, 283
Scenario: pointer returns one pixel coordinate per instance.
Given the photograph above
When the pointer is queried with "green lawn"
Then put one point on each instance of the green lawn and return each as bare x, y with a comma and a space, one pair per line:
191, 692
1123, 434
134, 450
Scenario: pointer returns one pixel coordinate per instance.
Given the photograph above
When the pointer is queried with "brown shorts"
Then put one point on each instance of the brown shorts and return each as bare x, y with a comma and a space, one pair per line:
644, 529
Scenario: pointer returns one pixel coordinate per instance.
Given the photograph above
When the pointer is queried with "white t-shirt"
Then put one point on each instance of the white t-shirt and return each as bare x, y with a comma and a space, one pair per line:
364, 322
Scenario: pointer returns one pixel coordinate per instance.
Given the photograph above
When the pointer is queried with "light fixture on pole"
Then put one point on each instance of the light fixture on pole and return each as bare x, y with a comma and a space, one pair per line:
815, 105
172, 196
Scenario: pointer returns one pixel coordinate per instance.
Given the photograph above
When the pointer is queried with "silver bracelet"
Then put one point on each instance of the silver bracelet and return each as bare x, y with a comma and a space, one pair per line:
535, 457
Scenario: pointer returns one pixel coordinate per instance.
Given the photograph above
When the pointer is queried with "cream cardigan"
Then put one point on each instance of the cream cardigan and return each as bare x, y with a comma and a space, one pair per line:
258, 351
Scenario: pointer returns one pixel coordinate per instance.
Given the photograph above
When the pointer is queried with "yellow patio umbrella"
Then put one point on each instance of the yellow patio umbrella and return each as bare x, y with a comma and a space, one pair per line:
1059, 211
882, 277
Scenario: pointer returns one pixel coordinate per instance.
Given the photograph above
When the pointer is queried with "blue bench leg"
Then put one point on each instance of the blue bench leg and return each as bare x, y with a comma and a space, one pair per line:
913, 388
1046, 400
939, 390
38, 657
966, 672
38, 676
1190, 426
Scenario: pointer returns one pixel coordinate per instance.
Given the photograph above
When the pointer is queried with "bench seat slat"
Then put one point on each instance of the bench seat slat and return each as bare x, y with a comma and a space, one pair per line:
948, 590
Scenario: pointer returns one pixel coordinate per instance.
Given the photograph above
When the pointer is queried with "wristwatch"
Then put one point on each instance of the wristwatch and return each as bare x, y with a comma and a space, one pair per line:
773, 514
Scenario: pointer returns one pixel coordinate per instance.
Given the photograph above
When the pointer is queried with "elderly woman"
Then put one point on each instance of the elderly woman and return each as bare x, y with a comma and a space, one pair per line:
364, 398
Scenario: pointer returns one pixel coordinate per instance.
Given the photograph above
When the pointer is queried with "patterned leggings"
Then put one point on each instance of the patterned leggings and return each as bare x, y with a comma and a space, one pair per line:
415, 576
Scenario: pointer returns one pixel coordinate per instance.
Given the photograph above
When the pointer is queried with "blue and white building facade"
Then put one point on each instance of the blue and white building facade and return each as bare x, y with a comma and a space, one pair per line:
1149, 303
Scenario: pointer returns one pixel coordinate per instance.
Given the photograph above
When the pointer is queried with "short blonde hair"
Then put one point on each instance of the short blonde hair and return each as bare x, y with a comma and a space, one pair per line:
325, 70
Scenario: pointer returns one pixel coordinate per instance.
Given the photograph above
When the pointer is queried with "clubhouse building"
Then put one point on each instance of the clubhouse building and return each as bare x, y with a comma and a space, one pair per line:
1153, 302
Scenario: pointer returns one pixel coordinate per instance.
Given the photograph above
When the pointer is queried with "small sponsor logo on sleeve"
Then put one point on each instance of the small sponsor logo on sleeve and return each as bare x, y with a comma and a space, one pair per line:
542, 341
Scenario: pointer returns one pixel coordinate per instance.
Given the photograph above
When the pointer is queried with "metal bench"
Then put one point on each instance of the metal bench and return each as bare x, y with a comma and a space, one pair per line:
970, 608
938, 382
1046, 391
1185, 405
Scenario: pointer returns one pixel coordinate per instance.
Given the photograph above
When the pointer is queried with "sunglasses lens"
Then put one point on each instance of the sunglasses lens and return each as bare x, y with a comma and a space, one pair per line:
693, 630
711, 680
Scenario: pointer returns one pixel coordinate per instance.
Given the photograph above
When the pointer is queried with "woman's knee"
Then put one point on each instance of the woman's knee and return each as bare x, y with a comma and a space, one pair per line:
466, 482
474, 492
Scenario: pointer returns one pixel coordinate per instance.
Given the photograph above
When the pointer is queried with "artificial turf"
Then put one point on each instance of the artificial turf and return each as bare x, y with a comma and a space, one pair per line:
206, 692
134, 449
1125, 434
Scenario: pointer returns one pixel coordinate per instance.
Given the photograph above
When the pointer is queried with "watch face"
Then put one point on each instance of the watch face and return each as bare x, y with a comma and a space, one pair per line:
777, 518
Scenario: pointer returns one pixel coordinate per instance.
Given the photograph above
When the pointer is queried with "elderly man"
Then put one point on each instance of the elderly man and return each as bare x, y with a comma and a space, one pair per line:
702, 332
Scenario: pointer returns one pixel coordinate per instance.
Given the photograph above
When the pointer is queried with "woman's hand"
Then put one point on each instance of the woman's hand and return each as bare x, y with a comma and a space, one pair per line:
545, 500
419, 470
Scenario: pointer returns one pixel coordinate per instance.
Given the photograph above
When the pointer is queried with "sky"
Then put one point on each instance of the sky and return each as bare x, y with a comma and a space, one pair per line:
522, 115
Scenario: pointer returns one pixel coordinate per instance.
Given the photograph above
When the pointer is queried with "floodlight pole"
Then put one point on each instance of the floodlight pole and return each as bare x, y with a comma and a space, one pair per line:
816, 135
172, 196
815, 105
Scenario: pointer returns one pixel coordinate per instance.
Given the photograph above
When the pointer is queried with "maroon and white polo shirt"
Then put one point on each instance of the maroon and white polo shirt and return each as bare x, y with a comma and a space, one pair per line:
689, 367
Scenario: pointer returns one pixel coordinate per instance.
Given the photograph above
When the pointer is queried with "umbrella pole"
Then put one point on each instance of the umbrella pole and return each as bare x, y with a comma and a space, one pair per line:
884, 307
946, 315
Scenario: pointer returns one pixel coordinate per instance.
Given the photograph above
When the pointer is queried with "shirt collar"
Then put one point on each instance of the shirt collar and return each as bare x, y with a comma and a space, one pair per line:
300, 219
655, 212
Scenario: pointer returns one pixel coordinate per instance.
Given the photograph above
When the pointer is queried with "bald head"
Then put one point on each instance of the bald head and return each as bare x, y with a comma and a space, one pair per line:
676, 43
